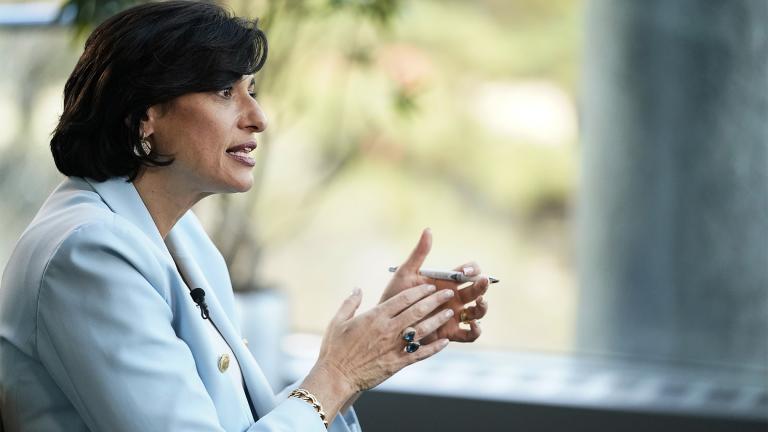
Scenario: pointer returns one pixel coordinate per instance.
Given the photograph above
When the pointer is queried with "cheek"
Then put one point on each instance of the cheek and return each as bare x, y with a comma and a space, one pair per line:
198, 125
201, 137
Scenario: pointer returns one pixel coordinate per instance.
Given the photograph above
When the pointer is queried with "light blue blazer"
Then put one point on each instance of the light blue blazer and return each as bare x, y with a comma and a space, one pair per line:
98, 331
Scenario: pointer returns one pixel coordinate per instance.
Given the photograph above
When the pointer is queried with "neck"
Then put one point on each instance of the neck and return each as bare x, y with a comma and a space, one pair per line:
166, 198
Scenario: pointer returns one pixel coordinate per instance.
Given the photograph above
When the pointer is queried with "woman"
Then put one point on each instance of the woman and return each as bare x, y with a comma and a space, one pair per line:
116, 310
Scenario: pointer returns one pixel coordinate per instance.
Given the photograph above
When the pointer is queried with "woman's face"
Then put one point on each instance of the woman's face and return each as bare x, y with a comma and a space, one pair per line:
210, 136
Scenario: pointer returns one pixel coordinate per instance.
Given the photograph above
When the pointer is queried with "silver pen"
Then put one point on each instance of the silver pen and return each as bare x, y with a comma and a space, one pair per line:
450, 275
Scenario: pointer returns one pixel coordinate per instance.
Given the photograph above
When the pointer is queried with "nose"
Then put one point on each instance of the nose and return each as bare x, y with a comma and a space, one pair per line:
253, 117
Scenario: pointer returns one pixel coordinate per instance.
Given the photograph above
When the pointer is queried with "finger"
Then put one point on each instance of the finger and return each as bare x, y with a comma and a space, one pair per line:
423, 308
349, 306
425, 351
400, 302
472, 292
419, 253
431, 324
469, 268
470, 335
476, 312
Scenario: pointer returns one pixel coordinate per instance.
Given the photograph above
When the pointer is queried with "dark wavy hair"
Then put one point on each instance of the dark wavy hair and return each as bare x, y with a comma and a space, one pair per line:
144, 56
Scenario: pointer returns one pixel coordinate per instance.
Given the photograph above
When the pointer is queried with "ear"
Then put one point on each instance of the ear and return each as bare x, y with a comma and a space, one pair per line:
149, 121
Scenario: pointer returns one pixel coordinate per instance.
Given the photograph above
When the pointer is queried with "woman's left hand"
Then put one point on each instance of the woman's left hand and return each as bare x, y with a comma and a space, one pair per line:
407, 276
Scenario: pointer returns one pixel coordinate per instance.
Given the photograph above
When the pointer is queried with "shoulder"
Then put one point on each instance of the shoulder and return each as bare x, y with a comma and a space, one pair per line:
74, 239
80, 237
103, 238
71, 208
100, 252
75, 232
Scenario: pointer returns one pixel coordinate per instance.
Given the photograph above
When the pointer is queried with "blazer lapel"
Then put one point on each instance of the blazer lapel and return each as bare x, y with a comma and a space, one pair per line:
258, 386
123, 198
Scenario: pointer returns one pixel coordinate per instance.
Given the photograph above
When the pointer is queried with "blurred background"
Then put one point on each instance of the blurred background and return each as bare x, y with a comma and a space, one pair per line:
606, 159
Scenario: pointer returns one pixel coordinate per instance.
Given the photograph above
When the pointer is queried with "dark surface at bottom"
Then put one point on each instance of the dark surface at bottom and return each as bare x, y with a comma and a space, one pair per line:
382, 411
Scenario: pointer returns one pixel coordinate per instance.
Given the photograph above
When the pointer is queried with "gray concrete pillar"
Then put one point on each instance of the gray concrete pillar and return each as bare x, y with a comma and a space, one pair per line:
673, 210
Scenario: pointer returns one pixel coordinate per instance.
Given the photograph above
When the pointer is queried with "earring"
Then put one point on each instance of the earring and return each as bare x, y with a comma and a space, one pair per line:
146, 147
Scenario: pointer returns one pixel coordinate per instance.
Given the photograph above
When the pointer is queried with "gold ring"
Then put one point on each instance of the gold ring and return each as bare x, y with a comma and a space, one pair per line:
463, 316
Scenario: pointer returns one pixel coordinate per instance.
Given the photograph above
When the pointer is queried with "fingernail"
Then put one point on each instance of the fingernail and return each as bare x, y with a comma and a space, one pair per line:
446, 294
448, 313
356, 291
443, 342
468, 271
431, 288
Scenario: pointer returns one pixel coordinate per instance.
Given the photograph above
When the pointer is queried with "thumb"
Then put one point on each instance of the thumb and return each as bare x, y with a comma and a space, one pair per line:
420, 252
349, 306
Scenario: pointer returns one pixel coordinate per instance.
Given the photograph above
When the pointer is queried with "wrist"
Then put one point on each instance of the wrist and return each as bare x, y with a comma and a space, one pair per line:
331, 388
311, 399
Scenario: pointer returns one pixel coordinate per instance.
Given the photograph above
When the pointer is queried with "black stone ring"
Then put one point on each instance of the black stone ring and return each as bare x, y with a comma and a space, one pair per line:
411, 347
409, 334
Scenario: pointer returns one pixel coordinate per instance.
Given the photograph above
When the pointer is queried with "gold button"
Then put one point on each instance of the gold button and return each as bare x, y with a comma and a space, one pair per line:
223, 363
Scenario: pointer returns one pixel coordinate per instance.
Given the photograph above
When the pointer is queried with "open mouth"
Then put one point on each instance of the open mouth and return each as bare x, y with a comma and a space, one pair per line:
242, 149
241, 152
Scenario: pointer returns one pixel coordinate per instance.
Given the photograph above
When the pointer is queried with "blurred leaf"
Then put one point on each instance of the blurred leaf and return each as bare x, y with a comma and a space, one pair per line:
379, 10
405, 102
360, 55
84, 15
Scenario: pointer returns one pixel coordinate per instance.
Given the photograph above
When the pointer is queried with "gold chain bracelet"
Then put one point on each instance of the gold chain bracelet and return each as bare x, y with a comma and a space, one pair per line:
308, 397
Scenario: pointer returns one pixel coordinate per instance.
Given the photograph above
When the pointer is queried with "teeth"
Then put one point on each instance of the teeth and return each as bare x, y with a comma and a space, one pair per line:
240, 152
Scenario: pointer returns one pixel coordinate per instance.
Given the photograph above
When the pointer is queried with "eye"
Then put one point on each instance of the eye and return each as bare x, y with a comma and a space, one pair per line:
226, 93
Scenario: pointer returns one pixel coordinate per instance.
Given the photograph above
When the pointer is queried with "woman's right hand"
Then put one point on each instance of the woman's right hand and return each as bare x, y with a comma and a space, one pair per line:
360, 352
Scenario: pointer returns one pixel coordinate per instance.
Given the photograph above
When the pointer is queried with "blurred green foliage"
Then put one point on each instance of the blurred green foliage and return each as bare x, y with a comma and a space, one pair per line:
85, 14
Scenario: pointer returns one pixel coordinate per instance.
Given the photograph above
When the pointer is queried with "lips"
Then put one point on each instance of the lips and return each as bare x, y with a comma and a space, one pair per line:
244, 148
240, 153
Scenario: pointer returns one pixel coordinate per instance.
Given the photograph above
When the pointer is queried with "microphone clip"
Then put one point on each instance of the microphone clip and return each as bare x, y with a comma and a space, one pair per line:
198, 296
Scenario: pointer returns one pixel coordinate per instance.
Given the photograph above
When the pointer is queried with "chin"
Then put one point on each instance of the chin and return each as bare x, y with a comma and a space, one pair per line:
241, 185
236, 182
